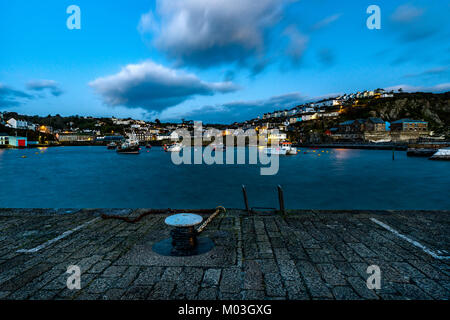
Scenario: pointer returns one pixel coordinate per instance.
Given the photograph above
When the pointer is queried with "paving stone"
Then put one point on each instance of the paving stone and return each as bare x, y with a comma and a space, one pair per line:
114, 294
230, 296
100, 285
360, 286
100, 266
140, 293
429, 270
411, 292
211, 278
149, 276
44, 295
208, 294
252, 276
171, 274
296, 290
231, 280
331, 274
114, 271
161, 291
345, 293
288, 270
407, 270
273, 285
127, 278
25, 277
185, 291
432, 288
362, 250
252, 295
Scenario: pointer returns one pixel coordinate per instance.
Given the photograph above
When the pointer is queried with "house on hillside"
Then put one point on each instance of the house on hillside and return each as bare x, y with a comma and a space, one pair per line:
17, 124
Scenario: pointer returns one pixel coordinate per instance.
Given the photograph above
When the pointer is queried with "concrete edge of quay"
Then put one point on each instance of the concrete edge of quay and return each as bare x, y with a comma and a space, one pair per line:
299, 255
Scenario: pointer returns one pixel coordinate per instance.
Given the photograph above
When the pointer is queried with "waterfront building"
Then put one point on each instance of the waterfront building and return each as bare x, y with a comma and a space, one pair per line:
74, 137
277, 136
375, 124
13, 141
145, 136
409, 125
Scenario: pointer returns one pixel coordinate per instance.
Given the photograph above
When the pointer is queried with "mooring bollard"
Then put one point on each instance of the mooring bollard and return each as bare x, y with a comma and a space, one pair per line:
244, 192
184, 240
281, 199
184, 235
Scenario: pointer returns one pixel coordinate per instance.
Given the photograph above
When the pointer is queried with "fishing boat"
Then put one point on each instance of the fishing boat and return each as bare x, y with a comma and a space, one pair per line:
275, 150
441, 154
286, 148
176, 147
129, 146
111, 146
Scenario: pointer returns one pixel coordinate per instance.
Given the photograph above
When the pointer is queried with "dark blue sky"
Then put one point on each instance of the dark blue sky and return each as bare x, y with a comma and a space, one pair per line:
219, 61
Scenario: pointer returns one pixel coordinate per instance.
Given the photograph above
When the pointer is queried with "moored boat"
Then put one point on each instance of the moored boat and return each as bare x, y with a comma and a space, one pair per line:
176, 147
286, 148
275, 150
441, 154
130, 146
111, 146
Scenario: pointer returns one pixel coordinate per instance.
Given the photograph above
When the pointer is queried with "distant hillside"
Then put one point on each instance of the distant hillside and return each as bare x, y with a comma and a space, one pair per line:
434, 108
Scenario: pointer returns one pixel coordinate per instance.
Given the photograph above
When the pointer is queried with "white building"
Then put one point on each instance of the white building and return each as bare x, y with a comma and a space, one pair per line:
17, 124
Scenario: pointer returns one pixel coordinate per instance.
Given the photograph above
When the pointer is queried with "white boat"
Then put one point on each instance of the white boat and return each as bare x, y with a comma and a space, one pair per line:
130, 146
176, 147
441, 154
275, 150
286, 148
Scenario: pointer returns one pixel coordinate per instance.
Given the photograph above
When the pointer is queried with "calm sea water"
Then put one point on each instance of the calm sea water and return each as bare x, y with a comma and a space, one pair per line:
79, 177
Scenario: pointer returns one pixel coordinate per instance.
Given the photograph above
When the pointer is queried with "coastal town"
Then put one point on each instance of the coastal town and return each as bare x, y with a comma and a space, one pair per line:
329, 120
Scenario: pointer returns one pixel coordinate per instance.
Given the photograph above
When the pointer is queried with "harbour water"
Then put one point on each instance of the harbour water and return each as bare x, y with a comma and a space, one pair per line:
94, 177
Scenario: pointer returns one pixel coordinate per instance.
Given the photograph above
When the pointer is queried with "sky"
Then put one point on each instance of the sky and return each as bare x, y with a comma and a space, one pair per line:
217, 61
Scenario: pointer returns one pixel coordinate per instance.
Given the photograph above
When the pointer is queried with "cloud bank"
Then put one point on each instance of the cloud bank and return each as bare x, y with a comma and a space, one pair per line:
154, 87
238, 110
41, 85
10, 97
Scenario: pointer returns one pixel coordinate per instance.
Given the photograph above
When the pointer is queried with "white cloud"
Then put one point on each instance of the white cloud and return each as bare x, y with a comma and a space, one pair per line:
147, 23
154, 87
205, 33
406, 13
325, 22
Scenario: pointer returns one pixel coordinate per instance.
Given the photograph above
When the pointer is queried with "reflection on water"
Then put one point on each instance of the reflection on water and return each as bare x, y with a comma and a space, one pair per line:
320, 179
